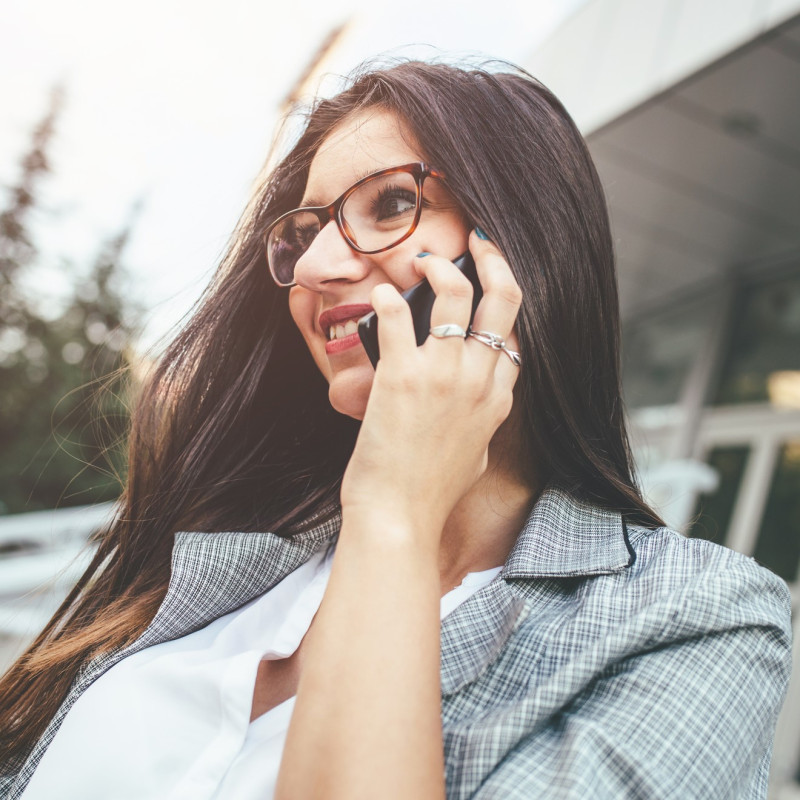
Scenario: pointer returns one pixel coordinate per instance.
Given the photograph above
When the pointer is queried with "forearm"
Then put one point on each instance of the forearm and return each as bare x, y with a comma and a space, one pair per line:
367, 719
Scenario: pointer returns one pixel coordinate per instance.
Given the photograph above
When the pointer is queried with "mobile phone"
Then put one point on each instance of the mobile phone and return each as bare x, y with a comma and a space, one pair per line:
420, 297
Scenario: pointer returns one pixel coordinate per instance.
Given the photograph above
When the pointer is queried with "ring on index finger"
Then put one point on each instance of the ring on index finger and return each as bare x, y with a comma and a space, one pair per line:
496, 342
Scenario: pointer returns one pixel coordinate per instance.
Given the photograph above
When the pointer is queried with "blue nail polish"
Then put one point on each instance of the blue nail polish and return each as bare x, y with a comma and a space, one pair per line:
481, 235
423, 254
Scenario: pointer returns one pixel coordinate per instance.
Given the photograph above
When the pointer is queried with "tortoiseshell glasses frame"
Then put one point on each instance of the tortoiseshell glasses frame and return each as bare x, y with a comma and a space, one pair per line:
377, 228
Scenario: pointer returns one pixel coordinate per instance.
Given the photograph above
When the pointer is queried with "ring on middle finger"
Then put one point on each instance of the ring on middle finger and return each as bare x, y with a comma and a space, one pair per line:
447, 330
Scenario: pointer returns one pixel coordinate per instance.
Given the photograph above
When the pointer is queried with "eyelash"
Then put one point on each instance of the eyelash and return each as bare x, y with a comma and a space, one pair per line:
387, 191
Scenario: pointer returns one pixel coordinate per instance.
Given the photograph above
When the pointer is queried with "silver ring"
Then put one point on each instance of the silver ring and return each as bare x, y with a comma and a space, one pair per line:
450, 329
496, 343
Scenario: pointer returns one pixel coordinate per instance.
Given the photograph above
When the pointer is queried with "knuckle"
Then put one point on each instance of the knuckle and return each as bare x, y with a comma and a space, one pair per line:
392, 309
408, 383
385, 299
439, 391
480, 387
504, 404
514, 295
507, 290
500, 281
403, 382
457, 287
441, 382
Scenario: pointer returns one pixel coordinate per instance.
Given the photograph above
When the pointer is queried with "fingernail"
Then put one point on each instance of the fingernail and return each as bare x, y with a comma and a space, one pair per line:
481, 235
423, 254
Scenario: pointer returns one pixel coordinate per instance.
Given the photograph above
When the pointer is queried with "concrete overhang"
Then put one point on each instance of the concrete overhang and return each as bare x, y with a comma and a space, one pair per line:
701, 170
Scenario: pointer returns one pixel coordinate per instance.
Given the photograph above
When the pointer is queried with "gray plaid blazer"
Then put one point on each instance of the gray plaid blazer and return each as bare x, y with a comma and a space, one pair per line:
604, 661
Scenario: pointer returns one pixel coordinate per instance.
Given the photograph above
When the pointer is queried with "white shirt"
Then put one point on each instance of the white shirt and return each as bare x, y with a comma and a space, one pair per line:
173, 720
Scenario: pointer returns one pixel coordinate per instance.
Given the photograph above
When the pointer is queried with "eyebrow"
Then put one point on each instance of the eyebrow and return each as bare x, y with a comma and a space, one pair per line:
314, 202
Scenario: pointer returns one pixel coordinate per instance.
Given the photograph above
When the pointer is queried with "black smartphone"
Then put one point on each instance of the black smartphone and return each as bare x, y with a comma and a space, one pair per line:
420, 297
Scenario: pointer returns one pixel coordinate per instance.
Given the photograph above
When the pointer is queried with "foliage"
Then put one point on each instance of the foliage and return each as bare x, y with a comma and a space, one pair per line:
63, 413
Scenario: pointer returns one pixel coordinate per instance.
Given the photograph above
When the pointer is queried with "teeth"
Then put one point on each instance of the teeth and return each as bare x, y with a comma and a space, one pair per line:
340, 331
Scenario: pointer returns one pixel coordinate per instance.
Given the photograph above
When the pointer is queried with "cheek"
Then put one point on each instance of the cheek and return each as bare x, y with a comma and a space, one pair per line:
447, 236
302, 307
299, 305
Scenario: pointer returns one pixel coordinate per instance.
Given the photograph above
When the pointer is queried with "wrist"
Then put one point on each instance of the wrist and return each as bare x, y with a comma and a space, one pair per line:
395, 529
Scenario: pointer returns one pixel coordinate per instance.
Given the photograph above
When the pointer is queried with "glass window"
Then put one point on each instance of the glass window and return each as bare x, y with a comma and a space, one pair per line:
659, 351
763, 364
778, 545
714, 510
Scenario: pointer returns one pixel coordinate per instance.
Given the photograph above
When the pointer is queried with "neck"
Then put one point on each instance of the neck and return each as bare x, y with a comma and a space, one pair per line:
483, 528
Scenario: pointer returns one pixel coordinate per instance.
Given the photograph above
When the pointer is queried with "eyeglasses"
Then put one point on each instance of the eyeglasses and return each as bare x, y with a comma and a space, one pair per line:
373, 215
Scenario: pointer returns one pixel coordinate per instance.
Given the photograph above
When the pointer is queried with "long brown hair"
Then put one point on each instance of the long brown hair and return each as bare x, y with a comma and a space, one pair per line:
233, 430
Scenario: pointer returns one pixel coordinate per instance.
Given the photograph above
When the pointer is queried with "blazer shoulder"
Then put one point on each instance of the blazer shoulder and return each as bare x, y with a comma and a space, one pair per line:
671, 547
696, 568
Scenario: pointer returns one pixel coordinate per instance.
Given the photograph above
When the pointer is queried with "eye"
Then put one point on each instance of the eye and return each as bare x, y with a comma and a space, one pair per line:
393, 201
305, 234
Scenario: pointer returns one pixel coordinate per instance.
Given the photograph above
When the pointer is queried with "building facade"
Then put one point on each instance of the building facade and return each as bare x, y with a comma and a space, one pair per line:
692, 114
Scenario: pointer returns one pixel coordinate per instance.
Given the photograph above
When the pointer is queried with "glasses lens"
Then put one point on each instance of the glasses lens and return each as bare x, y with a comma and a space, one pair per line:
381, 211
287, 242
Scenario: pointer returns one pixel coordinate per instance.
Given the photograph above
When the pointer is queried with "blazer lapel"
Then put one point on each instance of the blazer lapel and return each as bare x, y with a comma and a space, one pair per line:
474, 634
562, 538
216, 573
213, 574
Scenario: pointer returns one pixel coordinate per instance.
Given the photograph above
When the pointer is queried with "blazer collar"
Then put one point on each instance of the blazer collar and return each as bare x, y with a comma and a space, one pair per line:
566, 537
215, 573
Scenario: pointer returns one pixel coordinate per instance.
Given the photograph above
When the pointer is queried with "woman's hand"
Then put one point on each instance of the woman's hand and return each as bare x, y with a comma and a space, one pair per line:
433, 409
367, 721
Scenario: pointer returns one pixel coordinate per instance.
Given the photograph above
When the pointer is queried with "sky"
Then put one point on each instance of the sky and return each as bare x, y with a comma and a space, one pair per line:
171, 106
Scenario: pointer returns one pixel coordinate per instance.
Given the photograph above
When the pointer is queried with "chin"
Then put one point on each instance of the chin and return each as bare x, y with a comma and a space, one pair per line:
349, 391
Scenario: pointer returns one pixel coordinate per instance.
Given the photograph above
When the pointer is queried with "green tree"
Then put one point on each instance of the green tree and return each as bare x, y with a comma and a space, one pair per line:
17, 251
63, 412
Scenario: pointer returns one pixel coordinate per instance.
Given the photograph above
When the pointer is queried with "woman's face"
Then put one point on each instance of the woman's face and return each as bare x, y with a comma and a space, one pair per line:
331, 275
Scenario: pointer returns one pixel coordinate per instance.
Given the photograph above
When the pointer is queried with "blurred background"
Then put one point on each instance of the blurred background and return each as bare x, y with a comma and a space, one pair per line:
129, 143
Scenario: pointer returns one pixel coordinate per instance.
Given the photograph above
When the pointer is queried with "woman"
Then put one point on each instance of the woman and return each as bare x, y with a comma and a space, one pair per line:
463, 593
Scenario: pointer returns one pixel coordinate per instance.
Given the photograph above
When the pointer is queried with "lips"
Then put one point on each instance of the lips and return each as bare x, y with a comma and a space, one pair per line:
341, 314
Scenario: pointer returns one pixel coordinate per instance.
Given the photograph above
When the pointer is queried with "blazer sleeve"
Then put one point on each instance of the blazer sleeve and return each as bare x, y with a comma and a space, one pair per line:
691, 715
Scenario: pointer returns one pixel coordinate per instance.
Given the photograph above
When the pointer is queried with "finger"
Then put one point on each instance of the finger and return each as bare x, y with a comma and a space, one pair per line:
506, 372
395, 327
501, 300
453, 290
504, 379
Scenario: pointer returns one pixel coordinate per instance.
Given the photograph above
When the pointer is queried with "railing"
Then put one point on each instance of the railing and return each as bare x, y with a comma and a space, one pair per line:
42, 554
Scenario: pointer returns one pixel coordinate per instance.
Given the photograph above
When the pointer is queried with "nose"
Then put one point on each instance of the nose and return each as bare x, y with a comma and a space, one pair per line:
329, 258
